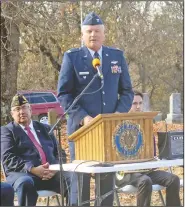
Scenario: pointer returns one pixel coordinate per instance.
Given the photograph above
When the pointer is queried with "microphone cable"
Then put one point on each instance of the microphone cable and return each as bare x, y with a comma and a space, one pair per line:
102, 197
165, 142
78, 97
117, 188
74, 102
102, 85
51, 130
61, 177
74, 171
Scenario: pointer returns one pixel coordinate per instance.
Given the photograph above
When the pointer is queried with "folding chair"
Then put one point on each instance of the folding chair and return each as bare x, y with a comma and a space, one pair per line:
130, 189
181, 180
41, 193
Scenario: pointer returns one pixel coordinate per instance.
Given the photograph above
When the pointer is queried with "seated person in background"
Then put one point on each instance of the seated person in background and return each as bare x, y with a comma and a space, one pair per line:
27, 150
144, 180
7, 194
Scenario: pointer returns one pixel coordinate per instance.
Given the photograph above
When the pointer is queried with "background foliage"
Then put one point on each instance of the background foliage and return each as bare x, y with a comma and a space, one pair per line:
35, 35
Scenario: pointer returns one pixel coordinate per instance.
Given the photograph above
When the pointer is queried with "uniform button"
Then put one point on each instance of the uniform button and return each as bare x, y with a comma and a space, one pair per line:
104, 103
103, 92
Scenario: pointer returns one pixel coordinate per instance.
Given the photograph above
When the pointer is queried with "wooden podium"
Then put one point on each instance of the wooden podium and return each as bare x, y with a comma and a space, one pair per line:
94, 141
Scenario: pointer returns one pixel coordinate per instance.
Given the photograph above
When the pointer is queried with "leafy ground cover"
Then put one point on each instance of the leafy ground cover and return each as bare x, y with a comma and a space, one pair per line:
126, 200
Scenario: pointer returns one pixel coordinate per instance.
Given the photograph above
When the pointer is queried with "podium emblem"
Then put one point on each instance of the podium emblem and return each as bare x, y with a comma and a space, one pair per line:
128, 139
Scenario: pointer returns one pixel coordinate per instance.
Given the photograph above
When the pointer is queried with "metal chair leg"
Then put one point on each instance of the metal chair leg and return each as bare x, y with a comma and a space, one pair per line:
67, 199
116, 197
47, 201
58, 202
161, 197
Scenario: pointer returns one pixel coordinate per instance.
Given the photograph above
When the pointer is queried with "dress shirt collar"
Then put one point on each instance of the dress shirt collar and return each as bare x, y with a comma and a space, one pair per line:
30, 125
99, 52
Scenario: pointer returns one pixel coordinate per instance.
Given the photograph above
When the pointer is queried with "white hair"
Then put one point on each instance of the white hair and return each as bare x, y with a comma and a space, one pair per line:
83, 27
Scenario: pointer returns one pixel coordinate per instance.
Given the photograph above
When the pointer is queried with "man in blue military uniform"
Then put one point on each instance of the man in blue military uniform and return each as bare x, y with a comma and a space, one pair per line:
77, 71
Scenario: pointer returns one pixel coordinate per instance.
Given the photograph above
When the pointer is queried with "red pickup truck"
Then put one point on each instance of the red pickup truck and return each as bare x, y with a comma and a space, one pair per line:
41, 102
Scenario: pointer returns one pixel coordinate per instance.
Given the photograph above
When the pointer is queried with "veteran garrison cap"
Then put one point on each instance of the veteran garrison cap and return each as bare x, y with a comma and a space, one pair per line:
92, 19
18, 100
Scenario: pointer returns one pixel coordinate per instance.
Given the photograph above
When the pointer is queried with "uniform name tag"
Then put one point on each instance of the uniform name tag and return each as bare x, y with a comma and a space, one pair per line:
83, 73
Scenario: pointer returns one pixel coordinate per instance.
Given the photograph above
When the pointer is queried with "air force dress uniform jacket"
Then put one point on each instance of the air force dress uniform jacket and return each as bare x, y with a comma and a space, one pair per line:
77, 71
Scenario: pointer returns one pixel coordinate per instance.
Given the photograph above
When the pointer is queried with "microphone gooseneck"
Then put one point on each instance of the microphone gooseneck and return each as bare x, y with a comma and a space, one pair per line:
96, 64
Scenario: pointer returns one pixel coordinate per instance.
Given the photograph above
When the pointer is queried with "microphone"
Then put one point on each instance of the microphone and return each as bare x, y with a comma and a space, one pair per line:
96, 64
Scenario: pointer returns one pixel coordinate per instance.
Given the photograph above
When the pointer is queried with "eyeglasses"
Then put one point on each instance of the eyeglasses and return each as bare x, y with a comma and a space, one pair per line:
23, 108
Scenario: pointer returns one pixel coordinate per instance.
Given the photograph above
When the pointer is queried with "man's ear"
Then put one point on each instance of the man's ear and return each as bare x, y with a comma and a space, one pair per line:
30, 110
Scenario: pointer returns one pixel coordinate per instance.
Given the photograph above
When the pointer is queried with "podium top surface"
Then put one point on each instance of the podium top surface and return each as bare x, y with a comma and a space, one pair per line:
92, 167
114, 116
129, 115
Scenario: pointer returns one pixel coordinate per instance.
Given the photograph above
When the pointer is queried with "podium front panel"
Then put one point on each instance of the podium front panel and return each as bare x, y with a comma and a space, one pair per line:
95, 141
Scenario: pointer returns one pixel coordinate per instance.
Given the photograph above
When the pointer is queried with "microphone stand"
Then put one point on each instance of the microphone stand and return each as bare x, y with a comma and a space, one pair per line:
60, 147
61, 169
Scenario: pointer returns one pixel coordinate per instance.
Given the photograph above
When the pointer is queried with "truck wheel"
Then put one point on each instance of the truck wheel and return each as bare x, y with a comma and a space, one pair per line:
43, 118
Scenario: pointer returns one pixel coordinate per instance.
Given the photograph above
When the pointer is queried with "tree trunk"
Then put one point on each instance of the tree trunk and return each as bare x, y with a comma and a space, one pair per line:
9, 65
142, 74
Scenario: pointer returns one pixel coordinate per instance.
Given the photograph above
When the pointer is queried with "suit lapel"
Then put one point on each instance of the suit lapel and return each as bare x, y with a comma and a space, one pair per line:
38, 132
87, 60
41, 136
19, 132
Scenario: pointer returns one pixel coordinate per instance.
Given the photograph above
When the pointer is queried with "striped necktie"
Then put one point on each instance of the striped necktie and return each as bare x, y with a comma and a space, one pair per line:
37, 145
96, 55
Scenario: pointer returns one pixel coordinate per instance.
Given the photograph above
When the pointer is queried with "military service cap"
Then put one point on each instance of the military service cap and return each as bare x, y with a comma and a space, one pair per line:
18, 100
92, 19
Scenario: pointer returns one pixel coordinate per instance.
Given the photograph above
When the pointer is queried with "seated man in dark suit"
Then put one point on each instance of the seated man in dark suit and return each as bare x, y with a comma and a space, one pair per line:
27, 150
7, 194
144, 180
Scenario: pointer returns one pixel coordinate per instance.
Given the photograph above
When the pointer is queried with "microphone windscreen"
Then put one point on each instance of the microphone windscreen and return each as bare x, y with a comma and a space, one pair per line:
96, 62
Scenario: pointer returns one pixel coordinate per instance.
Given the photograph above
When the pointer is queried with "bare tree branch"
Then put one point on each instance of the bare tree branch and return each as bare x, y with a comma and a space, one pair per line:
47, 52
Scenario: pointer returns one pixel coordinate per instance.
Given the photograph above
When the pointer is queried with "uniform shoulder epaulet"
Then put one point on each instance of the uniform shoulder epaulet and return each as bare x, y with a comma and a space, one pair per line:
113, 48
73, 50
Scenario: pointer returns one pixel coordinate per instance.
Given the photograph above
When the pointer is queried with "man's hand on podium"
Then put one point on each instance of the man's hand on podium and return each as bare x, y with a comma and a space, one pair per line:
87, 119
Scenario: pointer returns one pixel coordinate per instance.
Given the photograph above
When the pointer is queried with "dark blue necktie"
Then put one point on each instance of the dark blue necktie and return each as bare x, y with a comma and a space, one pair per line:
96, 55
